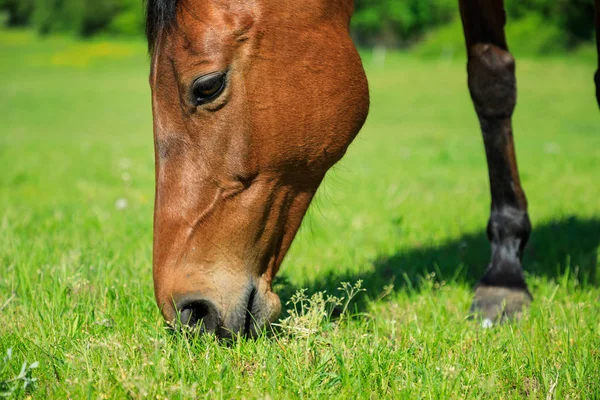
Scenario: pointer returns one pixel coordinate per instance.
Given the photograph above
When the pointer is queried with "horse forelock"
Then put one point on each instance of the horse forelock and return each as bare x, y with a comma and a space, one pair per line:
160, 15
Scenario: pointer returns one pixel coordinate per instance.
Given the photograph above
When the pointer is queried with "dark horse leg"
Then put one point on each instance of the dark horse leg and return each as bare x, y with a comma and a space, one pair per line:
597, 76
502, 292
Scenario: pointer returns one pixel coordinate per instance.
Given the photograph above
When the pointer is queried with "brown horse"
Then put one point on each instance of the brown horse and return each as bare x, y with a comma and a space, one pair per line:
253, 101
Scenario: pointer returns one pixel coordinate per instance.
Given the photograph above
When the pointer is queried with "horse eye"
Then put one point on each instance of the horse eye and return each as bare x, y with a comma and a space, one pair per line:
208, 87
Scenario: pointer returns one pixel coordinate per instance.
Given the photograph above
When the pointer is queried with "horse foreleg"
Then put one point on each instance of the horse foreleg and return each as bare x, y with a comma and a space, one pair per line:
597, 76
502, 292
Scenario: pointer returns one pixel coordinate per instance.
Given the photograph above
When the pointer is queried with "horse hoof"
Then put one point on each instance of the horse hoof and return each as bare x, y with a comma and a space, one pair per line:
496, 304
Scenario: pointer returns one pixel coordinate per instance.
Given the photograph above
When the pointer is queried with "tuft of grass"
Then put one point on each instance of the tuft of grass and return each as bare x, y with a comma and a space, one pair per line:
404, 213
309, 314
20, 384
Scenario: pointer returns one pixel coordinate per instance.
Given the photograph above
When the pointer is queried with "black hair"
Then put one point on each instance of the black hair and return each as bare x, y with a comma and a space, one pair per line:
160, 15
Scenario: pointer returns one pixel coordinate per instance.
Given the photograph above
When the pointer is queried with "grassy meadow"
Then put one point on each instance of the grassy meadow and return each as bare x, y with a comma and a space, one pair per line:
404, 214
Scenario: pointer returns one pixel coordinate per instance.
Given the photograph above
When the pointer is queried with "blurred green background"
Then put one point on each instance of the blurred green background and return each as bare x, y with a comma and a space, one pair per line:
405, 211
543, 26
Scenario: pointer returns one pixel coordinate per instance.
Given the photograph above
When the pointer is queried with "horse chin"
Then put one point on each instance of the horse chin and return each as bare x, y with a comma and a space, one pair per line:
247, 309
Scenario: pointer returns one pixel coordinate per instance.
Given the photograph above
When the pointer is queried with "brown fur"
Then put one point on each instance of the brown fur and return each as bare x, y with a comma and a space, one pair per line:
235, 177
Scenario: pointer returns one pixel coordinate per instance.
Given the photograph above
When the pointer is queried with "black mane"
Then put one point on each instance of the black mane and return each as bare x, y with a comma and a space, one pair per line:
160, 15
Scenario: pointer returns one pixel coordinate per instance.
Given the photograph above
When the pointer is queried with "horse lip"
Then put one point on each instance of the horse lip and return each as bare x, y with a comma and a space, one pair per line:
249, 313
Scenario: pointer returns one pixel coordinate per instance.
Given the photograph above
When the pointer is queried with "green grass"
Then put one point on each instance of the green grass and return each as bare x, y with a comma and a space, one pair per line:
404, 212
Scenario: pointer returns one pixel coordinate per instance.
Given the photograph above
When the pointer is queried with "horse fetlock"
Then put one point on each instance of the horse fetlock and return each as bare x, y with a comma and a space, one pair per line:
492, 81
497, 304
508, 223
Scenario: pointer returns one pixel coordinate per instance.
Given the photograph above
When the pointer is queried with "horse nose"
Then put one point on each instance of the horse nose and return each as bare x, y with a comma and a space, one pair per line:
199, 314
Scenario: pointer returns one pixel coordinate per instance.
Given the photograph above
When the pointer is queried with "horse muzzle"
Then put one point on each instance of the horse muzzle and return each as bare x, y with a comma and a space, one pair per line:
239, 310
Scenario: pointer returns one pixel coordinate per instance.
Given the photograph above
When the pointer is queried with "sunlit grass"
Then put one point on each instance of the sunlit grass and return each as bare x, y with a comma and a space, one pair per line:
404, 212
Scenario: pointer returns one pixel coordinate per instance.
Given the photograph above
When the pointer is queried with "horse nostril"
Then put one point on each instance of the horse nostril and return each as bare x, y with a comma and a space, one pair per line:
200, 314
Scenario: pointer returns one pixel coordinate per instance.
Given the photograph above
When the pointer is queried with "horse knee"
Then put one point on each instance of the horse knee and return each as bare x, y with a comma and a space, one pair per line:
492, 81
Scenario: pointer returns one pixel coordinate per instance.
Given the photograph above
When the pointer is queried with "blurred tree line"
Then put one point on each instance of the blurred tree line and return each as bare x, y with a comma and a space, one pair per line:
79, 17
393, 23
